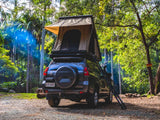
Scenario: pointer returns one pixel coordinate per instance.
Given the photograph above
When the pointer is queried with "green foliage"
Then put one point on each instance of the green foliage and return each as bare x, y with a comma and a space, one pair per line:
130, 48
19, 95
9, 85
131, 55
67, 10
6, 65
14, 65
120, 19
25, 96
34, 89
130, 85
49, 42
38, 9
150, 96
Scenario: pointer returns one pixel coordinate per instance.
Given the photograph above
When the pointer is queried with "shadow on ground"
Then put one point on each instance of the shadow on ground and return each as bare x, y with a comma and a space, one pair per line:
133, 111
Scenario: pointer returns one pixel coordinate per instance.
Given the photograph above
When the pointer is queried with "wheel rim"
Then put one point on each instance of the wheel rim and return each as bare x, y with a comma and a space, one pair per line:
95, 98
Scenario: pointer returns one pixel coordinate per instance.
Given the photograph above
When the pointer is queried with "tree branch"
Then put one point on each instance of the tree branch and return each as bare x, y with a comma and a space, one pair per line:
140, 24
146, 7
134, 26
149, 11
153, 9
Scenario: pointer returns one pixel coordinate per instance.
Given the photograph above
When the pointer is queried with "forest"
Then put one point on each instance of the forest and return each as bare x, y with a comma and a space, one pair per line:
128, 34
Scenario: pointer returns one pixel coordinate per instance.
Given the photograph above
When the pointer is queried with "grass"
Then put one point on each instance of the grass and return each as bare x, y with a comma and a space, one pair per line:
25, 95
149, 96
2, 94
19, 95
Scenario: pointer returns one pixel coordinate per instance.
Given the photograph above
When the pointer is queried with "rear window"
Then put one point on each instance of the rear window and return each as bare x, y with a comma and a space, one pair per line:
68, 59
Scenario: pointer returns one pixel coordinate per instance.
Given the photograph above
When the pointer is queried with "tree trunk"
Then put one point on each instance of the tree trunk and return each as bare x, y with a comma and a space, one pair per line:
15, 9
42, 49
14, 58
157, 54
157, 81
28, 70
146, 47
31, 72
150, 72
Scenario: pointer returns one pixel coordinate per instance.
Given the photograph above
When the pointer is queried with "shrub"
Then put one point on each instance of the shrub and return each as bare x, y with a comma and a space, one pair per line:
9, 85
133, 86
34, 89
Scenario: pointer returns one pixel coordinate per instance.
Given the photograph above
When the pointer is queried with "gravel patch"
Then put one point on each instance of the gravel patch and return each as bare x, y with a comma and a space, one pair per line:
38, 109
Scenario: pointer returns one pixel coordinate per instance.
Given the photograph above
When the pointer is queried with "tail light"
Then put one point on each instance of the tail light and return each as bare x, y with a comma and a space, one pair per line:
45, 71
81, 92
86, 73
46, 91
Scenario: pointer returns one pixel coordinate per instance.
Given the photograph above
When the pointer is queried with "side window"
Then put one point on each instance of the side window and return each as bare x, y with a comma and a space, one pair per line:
71, 40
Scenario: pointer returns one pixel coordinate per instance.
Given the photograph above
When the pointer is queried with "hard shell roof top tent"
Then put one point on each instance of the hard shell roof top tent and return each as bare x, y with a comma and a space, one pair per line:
75, 34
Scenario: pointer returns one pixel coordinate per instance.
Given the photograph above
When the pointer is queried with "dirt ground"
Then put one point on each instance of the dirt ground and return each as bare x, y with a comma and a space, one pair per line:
38, 109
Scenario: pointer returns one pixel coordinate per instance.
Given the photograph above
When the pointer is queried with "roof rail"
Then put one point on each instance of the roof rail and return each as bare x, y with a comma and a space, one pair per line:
79, 16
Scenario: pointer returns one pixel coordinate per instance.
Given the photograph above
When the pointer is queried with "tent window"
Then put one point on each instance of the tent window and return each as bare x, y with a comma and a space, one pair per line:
71, 40
92, 45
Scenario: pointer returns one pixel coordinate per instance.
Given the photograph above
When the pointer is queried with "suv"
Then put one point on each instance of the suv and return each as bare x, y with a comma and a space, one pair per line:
74, 72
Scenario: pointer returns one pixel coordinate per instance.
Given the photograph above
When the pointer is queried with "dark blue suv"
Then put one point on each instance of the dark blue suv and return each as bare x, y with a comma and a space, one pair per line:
74, 72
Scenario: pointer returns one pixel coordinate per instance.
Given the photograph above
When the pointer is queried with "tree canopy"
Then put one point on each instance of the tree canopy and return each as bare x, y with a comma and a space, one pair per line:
136, 25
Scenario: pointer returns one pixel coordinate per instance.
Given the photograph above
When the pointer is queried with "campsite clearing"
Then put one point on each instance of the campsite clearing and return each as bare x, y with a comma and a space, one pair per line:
38, 109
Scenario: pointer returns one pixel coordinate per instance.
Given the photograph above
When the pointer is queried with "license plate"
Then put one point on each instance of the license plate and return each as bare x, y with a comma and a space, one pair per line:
50, 85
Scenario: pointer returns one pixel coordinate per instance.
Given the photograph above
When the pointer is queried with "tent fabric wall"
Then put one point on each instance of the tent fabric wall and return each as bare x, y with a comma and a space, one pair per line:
84, 41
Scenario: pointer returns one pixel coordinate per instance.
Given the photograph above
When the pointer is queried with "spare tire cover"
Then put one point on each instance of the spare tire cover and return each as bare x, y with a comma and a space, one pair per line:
65, 77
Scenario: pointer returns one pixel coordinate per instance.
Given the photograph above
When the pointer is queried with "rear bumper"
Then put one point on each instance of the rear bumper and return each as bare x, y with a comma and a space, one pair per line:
67, 94
59, 91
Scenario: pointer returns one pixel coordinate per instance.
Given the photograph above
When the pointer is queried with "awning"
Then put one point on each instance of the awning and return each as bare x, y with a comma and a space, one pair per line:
69, 22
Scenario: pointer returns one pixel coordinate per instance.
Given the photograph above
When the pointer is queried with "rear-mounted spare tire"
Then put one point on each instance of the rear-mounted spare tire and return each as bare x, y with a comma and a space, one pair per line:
65, 77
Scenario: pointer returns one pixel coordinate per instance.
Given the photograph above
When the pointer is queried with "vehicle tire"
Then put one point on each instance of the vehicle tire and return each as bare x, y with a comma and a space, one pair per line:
53, 102
92, 100
109, 99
